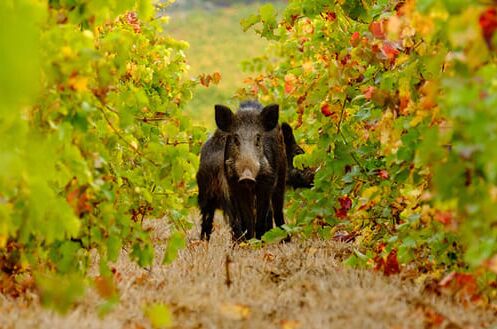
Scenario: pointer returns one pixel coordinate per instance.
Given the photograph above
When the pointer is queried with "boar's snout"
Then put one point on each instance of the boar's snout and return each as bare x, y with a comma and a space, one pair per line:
247, 177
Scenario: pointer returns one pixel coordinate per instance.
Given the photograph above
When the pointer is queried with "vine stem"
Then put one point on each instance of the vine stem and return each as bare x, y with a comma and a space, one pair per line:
118, 133
340, 132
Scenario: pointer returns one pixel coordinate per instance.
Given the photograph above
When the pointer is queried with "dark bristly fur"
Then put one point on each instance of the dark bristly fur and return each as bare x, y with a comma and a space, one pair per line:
234, 152
296, 178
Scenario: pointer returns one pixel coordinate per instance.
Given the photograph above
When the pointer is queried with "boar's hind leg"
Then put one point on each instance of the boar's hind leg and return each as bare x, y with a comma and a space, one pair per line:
207, 218
269, 220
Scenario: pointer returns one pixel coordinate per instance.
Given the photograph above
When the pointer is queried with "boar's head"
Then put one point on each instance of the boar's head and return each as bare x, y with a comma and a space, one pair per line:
245, 146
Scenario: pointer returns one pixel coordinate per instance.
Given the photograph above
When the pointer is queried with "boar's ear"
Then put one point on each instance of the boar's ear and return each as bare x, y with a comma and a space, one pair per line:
269, 116
224, 118
288, 134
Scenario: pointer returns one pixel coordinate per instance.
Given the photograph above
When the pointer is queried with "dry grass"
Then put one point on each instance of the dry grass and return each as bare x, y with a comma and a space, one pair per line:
297, 285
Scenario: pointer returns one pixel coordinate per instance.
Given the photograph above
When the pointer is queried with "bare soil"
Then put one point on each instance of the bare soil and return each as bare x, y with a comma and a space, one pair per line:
301, 284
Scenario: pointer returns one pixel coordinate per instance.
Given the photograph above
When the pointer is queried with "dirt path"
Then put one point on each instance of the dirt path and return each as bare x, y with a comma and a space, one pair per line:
296, 285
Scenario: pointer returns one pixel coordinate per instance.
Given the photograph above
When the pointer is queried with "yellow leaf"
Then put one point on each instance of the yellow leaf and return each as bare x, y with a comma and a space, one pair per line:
235, 311
67, 52
308, 67
78, 83
159, 316
289, 324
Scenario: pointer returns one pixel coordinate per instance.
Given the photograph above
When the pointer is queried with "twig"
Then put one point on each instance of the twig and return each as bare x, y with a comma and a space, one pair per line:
356, 160
121, 136
146, 120
341, 117
228, 276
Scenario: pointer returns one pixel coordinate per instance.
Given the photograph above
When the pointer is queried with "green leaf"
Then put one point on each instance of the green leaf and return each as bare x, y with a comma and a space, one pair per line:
274, 235
250, 21
268, 13
60, 292
175, 243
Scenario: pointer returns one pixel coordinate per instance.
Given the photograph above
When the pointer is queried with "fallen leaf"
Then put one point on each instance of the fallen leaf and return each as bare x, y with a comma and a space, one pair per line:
105, 286
235, 311
159, 315
268, 256
289, 324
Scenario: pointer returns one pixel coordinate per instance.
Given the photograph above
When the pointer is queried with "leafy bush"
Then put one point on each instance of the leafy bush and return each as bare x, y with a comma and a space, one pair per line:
93, 138
396, 101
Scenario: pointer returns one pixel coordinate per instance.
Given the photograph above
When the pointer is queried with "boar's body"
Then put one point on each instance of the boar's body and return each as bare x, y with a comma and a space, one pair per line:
255, 169
243, 171
212, 185
296, 178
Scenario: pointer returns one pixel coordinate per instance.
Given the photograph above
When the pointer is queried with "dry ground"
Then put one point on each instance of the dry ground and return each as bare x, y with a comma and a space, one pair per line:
297, 285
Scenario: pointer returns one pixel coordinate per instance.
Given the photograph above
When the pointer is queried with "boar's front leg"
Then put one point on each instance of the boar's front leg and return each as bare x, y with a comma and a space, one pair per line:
207, 211
243, 207
233, 220
264, 216
278, 199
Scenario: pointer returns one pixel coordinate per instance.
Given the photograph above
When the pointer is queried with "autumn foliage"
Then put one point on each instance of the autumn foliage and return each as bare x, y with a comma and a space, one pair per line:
396, 103
93, 141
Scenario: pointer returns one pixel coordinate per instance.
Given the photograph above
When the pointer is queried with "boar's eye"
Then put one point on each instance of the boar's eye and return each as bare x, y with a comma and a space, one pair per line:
258, 140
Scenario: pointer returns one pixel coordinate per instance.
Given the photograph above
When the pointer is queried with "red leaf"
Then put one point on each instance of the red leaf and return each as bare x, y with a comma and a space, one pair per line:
355, 39
79, 200
444, 217
488, 23
378, 29
345, 202
383, 174
290, 80
341, 213
461, 283
379, 262
132, 19
345, 59
389, 51
404, 102
433, 318
391, 264
329, 16
345, 205
288, 87
216, 77
326, 110
368, 93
